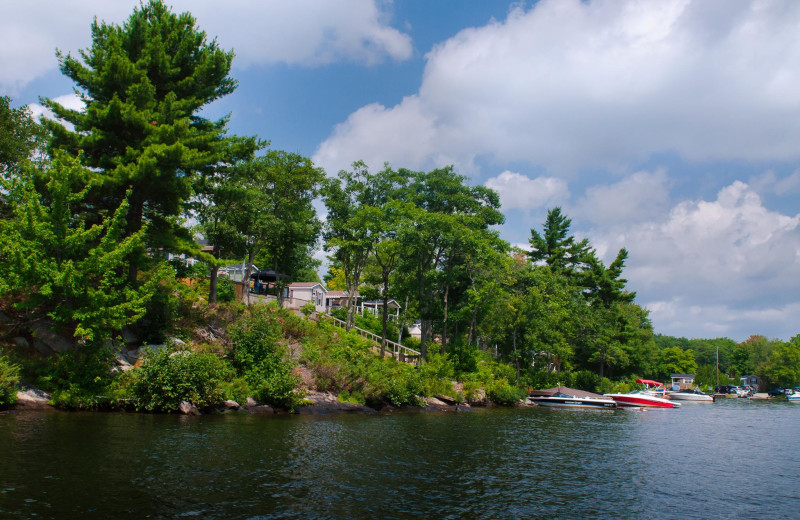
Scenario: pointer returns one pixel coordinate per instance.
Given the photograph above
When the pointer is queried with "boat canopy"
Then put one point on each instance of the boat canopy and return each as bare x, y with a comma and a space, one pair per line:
648, 382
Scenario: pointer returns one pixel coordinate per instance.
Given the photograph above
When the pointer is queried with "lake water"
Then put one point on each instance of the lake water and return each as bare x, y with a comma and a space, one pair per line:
727, 460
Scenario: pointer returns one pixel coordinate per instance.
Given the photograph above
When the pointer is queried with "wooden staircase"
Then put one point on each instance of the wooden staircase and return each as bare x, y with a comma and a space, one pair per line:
397, 351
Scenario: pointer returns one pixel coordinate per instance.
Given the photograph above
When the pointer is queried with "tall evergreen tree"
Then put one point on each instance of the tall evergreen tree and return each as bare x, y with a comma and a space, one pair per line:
143, 84
556, 247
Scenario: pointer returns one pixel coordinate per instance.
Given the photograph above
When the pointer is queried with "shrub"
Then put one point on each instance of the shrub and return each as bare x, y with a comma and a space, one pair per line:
261, 359
502, 392
168, 377
308, 309
226, 290
79, 378
236, 390
9, 377
585, 380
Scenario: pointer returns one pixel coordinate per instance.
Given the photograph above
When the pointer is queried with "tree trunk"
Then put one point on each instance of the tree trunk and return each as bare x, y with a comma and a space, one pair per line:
212, 285
444, 321
516, 357
385, 318
135, 215
426, 335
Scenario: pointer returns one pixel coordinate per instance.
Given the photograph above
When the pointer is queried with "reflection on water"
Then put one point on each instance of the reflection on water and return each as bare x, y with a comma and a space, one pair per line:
733, 459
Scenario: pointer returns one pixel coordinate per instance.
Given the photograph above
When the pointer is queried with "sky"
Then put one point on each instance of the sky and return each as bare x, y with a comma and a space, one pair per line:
668, 127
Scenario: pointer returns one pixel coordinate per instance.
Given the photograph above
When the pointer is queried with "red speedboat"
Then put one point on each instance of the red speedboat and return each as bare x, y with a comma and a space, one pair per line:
641, 398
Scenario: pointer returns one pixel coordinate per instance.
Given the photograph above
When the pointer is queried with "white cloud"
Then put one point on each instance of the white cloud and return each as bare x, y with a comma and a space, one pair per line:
307, 32
602, 84
641, 196
71, 101
518, 191
715, 266
768, 182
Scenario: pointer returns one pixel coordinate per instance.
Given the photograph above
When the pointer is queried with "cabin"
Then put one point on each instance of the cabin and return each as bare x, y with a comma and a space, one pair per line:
682, 382
752, 381
337, 299
299, 294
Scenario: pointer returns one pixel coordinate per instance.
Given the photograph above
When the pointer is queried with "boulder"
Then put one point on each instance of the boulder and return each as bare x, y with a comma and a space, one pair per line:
252, 406
447, 399
30, 397
187, 408
227, 406
478, 398
323, 403
47, 341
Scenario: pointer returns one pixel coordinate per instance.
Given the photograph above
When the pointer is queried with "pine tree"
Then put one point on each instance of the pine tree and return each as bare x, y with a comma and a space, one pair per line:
143, 85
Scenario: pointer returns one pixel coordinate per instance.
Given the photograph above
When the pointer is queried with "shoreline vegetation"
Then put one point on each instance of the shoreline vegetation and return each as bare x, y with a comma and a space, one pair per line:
111, 299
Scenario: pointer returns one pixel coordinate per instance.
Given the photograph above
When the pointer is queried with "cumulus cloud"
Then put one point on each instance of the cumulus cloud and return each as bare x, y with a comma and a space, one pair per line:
518, 191
307, 32
641, 196
723, 265
603, 84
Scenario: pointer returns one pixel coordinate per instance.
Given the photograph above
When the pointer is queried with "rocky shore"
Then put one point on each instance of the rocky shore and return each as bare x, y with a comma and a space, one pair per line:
318, 403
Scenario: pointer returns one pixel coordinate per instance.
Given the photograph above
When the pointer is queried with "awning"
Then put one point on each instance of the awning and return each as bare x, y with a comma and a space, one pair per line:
649, 382
268, 275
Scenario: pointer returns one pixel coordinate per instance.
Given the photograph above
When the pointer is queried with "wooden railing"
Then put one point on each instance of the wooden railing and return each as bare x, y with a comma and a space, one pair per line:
398, 351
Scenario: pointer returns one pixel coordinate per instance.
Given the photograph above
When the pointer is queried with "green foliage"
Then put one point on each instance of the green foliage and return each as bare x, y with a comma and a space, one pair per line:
237, 390
308, 309
354, 397
585, 380
60, 266
783, 366
144, 84
226, 290
168, 377
673, 360
78, 378
9, 378
20, 135
501, 392
261, 359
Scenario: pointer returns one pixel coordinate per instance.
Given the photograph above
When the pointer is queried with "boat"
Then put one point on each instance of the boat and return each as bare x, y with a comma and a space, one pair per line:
641, 398
690, 395
561, 399
793, 398
654, 388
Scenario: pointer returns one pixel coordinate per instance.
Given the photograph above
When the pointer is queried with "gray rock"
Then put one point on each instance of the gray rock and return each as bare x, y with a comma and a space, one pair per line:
478, 398
187, 408
47, 341
253, 407
128, 336
228, 406
30, 397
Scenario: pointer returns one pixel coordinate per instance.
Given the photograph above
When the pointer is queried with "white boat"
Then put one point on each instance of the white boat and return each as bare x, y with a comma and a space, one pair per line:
641, 398
691, 395
563, 400
794, 398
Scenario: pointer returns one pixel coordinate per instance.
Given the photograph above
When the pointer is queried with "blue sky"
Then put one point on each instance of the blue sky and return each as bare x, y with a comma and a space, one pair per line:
669, 127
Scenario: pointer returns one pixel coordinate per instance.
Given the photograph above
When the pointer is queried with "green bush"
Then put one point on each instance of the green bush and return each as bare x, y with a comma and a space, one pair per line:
78, 378
168, 377
585, 380
9, 378
308, 309
236, 390
502, 392
226, 290
261, 359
